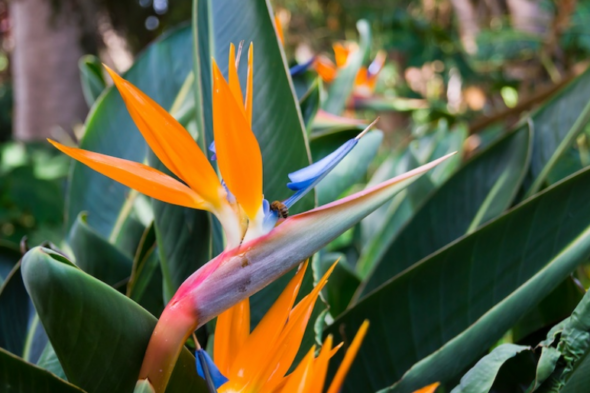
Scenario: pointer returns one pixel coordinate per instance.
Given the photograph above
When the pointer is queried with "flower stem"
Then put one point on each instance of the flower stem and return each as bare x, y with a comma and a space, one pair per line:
174, 327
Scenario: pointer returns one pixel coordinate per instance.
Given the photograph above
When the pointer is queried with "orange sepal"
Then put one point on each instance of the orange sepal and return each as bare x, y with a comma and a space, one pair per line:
429, 389
301, 379
231, 332
325, 69
320, 367
171, 143
290, 339
238, 153
260, 344
341, 53
233, 78
349, 356
147, 180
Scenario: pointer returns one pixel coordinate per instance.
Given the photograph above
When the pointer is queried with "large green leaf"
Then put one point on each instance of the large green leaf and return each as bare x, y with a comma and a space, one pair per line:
397, 213
99, 335
98, 257
18, 376
481, 377
478, 192
310, 103
556, 125
9, 256
449, 308
276, 117
160, 72
15, 310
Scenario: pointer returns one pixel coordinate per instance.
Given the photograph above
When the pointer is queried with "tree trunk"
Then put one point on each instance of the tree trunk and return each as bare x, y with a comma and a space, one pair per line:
47, 45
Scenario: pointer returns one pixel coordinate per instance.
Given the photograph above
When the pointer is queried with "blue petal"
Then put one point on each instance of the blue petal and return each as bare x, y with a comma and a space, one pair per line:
204, 361
301, 68
303, 180
374, 67
212, 150
270, 217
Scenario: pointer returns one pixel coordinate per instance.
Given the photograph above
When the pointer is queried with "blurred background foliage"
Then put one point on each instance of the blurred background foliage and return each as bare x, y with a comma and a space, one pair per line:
478, 64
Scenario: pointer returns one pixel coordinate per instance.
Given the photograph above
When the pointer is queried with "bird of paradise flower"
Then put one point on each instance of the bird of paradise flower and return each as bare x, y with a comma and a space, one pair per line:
255, 233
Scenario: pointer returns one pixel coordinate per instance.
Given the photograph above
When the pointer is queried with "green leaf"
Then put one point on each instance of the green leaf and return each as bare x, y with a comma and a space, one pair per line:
15, 309
9, 256
342, 283
556, 125
451, 141
276, 117
99, 335
310, 103
98, 257
447, 309
159, 71
481, 377
342, 86
49, 361
397, 214
93, 83
351, 169
481, 190
18, 376
558, 305
146, 281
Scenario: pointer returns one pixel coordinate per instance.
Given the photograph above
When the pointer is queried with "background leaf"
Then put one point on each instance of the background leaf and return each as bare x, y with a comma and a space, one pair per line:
482, 189
159, 72
449, 308
112, 330
18, 376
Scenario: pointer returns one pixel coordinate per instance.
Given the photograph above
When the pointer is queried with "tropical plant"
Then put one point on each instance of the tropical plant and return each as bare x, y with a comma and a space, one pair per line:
444, 270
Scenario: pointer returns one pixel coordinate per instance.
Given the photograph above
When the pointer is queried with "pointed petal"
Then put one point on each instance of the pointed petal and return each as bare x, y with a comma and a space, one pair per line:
289, 341
362, 77
249, 84
207, 369
254, 354
303, 180
335, 350
320, 367
351, 352
147, 180
238, 273
300, 380
429, 389
238, 153
231, 332
171, 143
325, 68
233, 78
341, 53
